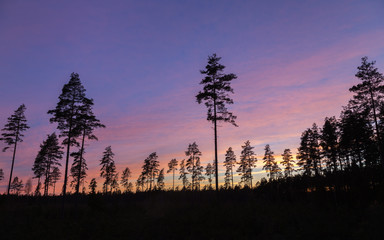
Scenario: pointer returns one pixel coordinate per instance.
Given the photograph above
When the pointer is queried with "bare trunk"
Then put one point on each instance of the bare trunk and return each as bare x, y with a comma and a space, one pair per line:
80, 163
216, 161
13, 158
173, 180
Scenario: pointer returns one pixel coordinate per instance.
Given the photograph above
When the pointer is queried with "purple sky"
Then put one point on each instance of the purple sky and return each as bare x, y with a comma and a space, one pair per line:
140, 61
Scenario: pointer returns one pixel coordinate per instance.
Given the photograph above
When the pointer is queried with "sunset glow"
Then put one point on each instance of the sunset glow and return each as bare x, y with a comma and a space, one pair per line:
140, 63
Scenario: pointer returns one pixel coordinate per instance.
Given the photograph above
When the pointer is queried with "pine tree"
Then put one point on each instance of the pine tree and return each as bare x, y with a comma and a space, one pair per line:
151, 169
56, 174
172, 168
215, 95
38, 168
47, 160
87, 123
356, 138
329, 143
12, 134
247, 162
125, 179
140, 183
287, 162
183, 175
17, 185
229, 163
93, 185
270, 165
108, 168
193, 165
160, 180
115, 184
309, 158
209, 172
68, 114
369, 94
78, 169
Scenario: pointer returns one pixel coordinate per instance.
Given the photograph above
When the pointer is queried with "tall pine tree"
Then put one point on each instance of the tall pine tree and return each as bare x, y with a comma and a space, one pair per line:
87, 123
108, 168
68, 115
172, 167
12, 134
229, 163
369, 94
215, 95
247, 162
287, 162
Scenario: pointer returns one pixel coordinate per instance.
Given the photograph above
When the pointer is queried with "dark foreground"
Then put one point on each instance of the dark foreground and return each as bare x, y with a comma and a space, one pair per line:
237, 214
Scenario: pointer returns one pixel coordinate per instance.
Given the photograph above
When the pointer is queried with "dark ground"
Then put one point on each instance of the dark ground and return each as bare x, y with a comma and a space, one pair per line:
237, 214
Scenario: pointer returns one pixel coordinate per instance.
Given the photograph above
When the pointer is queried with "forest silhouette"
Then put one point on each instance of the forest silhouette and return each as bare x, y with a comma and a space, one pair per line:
333, 187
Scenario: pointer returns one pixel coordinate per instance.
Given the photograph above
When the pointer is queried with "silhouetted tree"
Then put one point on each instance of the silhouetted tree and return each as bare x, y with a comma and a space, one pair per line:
1, 174
193, 165
68, 114
55, 176
78, 169
287, 162
369, 94
229, 163
151, 169
115, 183
329, 143
93, 185
247, 162
270, 165
108, 168
140, 183
28, 186
356, 137
12, 134
160, 180
309, 152
125, 179
183, 175
172, 168
215, 95
17, 185
38, 168
47, 160
209, 172
87, 123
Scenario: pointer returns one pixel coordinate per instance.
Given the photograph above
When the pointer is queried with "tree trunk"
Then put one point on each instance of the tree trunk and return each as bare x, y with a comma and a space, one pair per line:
173, 180
216, 162
80, 163
46, 182
13, 159
232, 176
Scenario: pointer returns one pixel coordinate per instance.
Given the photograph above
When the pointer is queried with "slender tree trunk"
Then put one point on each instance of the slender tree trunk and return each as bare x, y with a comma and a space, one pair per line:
216, 162
250, 171
232, 176
46, 182
80, 163
173, 180
193, 172
13, 158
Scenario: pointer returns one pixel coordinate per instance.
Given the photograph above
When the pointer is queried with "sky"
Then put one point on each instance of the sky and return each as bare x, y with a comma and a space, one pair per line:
140, 61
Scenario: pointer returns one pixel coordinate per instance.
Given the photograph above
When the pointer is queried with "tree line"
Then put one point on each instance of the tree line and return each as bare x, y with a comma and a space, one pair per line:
352, 141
